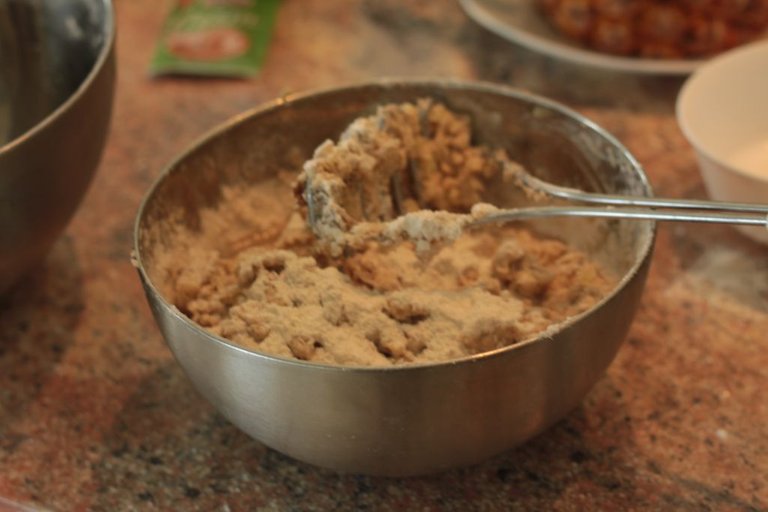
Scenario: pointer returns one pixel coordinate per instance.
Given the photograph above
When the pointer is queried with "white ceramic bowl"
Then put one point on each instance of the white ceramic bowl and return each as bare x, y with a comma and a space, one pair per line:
723, 112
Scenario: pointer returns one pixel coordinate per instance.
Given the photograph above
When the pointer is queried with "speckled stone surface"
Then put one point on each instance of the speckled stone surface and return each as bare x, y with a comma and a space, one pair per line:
96, 415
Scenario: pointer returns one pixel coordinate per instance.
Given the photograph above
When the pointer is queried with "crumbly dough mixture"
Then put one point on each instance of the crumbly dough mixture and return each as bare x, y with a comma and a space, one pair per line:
409, 172
377, 303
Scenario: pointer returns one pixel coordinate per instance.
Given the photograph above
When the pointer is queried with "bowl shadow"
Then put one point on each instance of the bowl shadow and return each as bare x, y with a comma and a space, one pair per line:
38, 317
190, 457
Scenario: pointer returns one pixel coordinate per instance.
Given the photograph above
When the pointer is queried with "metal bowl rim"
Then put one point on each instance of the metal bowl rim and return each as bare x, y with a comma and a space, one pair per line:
105, 50
221, 129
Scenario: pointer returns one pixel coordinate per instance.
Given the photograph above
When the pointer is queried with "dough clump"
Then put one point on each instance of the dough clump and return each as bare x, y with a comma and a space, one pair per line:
338, 295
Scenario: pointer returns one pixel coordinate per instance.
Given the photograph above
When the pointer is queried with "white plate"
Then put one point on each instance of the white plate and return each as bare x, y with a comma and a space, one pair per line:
520, 22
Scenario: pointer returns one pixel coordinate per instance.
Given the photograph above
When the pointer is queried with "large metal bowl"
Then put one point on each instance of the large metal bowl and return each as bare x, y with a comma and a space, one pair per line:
410, 419
56, 86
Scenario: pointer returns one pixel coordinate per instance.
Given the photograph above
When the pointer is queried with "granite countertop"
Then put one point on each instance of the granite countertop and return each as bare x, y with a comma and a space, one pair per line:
96, 415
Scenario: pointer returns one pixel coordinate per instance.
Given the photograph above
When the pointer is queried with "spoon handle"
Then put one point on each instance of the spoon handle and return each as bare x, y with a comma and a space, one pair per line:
754, 219
653, 202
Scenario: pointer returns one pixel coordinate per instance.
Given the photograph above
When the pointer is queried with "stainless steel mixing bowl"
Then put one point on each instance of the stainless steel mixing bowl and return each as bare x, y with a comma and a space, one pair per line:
410, 419
57, 73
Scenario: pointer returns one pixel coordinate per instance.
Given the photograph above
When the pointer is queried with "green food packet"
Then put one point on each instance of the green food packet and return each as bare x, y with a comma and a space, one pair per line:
215, 37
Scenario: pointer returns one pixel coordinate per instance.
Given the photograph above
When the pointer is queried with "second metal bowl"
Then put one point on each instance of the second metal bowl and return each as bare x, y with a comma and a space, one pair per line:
56, 86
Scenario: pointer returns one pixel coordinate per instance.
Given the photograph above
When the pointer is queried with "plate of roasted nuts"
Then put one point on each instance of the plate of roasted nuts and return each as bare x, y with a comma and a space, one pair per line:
641, 36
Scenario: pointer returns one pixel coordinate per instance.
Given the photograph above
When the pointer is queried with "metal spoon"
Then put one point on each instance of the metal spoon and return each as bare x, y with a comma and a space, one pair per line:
331, 209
